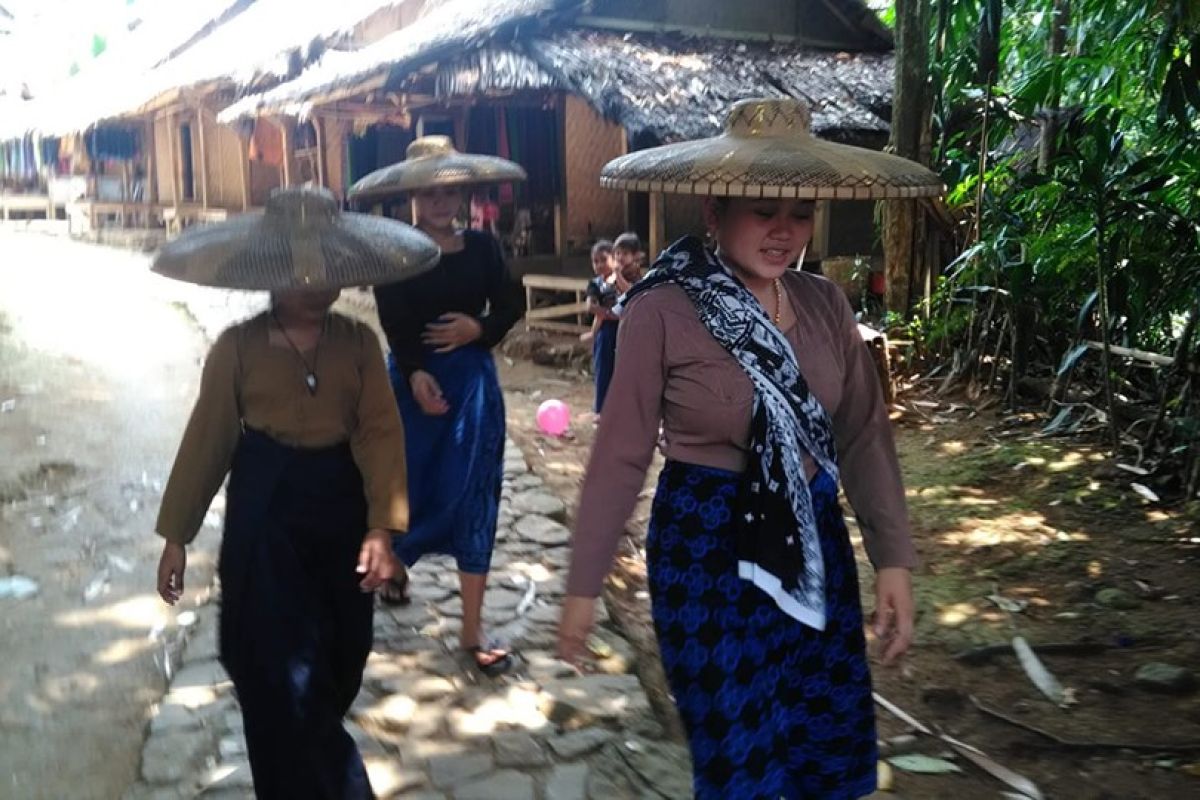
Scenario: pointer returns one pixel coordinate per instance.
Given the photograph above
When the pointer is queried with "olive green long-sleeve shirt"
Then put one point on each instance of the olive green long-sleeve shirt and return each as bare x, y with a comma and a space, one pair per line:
249, 381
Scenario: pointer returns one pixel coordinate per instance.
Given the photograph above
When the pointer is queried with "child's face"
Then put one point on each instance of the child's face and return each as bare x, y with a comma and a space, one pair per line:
602, 263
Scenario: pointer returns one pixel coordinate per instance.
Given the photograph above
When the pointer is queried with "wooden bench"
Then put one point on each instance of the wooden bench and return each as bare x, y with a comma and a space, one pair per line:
25, 204
178, 218
544, 312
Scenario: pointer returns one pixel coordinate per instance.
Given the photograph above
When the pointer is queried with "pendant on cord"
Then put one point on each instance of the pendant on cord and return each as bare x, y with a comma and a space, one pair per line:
310, 380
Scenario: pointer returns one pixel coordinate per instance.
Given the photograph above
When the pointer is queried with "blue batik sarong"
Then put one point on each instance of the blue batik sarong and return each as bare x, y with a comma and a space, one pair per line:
773, 708
455, 461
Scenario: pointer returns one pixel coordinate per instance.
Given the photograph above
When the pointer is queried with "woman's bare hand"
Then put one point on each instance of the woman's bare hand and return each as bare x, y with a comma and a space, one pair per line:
171, 565
428, 393
376, 562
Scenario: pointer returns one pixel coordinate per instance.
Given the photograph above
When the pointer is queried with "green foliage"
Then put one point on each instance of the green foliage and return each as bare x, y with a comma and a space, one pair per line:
1124, 186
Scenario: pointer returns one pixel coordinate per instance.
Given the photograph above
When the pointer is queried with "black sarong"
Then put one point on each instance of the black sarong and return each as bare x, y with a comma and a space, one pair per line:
295, 629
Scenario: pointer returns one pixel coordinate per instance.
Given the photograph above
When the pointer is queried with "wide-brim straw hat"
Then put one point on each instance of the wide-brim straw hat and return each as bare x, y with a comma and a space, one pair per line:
767, 150
301, 241
432, 161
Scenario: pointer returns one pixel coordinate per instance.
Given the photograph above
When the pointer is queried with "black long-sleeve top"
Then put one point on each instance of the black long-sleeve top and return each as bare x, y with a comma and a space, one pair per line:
473, 281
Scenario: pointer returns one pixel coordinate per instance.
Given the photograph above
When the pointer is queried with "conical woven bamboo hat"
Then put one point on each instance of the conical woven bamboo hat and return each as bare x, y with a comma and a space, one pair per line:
433, 161
768, 150
301, 241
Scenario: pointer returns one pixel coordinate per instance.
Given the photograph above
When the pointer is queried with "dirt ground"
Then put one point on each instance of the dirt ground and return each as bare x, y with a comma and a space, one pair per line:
98, 364
97, 372
1045, 523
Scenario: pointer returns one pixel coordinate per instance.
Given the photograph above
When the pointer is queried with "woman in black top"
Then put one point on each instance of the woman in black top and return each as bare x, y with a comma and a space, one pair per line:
440, 328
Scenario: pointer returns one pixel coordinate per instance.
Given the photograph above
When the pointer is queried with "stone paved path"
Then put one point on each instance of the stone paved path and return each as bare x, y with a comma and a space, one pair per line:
428, 724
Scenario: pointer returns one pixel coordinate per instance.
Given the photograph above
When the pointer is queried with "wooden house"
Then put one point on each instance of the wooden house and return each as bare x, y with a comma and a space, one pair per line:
562, 87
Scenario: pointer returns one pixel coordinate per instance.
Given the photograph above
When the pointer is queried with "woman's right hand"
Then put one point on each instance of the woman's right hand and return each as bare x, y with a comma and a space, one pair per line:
578, 616
428, 393
171, 565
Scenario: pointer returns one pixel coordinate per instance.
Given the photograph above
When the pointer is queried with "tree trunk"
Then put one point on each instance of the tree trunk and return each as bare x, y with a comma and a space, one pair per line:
1059, 19
903, 221
988, 66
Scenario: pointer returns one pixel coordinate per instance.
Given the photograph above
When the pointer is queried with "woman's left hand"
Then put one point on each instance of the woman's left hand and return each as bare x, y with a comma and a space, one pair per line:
376, 563
893, 622
451, 331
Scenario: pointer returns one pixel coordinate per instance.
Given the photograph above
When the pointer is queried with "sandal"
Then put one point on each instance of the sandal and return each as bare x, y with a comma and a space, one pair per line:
492, 669
394, 592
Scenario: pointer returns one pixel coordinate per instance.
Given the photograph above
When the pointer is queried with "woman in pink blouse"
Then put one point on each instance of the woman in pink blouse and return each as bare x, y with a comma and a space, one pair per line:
766, 397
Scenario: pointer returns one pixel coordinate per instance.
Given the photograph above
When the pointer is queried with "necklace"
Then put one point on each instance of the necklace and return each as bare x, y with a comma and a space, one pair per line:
310, 373
778, 284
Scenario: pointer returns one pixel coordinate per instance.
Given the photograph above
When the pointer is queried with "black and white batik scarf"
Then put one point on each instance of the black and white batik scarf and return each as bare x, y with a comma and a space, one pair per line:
778, 545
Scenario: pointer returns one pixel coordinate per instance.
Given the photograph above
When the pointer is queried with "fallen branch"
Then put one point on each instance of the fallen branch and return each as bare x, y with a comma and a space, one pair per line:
1027, 788
981, 655
1070, 744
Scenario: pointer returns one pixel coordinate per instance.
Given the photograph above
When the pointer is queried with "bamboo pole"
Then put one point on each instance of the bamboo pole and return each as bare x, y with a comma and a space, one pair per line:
287, 153
203, 157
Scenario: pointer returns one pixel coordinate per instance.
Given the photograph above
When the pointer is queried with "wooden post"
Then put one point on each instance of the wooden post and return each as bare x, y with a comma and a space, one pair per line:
287, 153
318, 127
560, 229
203, 158
176, 164
150, 191
244, 149
658, 226
820, 237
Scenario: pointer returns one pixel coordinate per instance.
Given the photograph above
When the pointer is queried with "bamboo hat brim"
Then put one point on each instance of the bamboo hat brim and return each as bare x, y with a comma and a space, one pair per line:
767, 150
432, 161
301, 241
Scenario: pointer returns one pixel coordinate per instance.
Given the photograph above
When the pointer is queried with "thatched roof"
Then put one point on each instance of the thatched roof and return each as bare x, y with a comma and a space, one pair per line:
255, 43
668, 86
448, 28
680, 88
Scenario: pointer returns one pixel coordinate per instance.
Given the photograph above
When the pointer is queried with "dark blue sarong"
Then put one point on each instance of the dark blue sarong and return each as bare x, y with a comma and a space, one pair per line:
773, 708
295, 629
455, 461
604, 359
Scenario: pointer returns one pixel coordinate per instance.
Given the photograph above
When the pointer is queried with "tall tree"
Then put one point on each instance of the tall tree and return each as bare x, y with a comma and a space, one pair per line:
904, 234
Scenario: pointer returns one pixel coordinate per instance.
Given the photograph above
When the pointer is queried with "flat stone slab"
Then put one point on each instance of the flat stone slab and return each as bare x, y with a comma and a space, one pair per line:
1156, 676
542, 530
394, 712
591, 699
538, 501
456, 769
504, 785
516, 749
567, 782
572, 745
525, 482
172, 757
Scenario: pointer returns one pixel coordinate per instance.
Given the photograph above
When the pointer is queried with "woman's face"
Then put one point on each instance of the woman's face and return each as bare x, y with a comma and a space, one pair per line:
304, 304
437, 206
761, 238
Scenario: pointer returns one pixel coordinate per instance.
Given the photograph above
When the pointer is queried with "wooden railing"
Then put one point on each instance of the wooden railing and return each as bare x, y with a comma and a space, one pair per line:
544, 311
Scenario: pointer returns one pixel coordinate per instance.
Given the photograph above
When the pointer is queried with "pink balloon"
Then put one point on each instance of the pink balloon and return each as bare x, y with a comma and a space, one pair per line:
553, 417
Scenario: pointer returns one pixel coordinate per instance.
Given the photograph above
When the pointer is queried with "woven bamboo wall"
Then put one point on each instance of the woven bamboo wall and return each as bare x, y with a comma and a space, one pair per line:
334, 138
223, 164
164, 167
592, 211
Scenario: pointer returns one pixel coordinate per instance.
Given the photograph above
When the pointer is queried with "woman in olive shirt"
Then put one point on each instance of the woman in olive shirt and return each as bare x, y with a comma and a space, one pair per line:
295, 405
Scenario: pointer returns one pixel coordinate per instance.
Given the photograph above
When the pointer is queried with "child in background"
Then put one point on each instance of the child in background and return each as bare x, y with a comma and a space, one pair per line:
601, 290
627, 250
602, 295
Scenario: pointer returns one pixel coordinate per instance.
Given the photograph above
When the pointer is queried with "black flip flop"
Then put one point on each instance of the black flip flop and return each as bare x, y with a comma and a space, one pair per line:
496, 668
399, 585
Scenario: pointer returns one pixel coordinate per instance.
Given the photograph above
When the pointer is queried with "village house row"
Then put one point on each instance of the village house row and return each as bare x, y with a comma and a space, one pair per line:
201, 123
